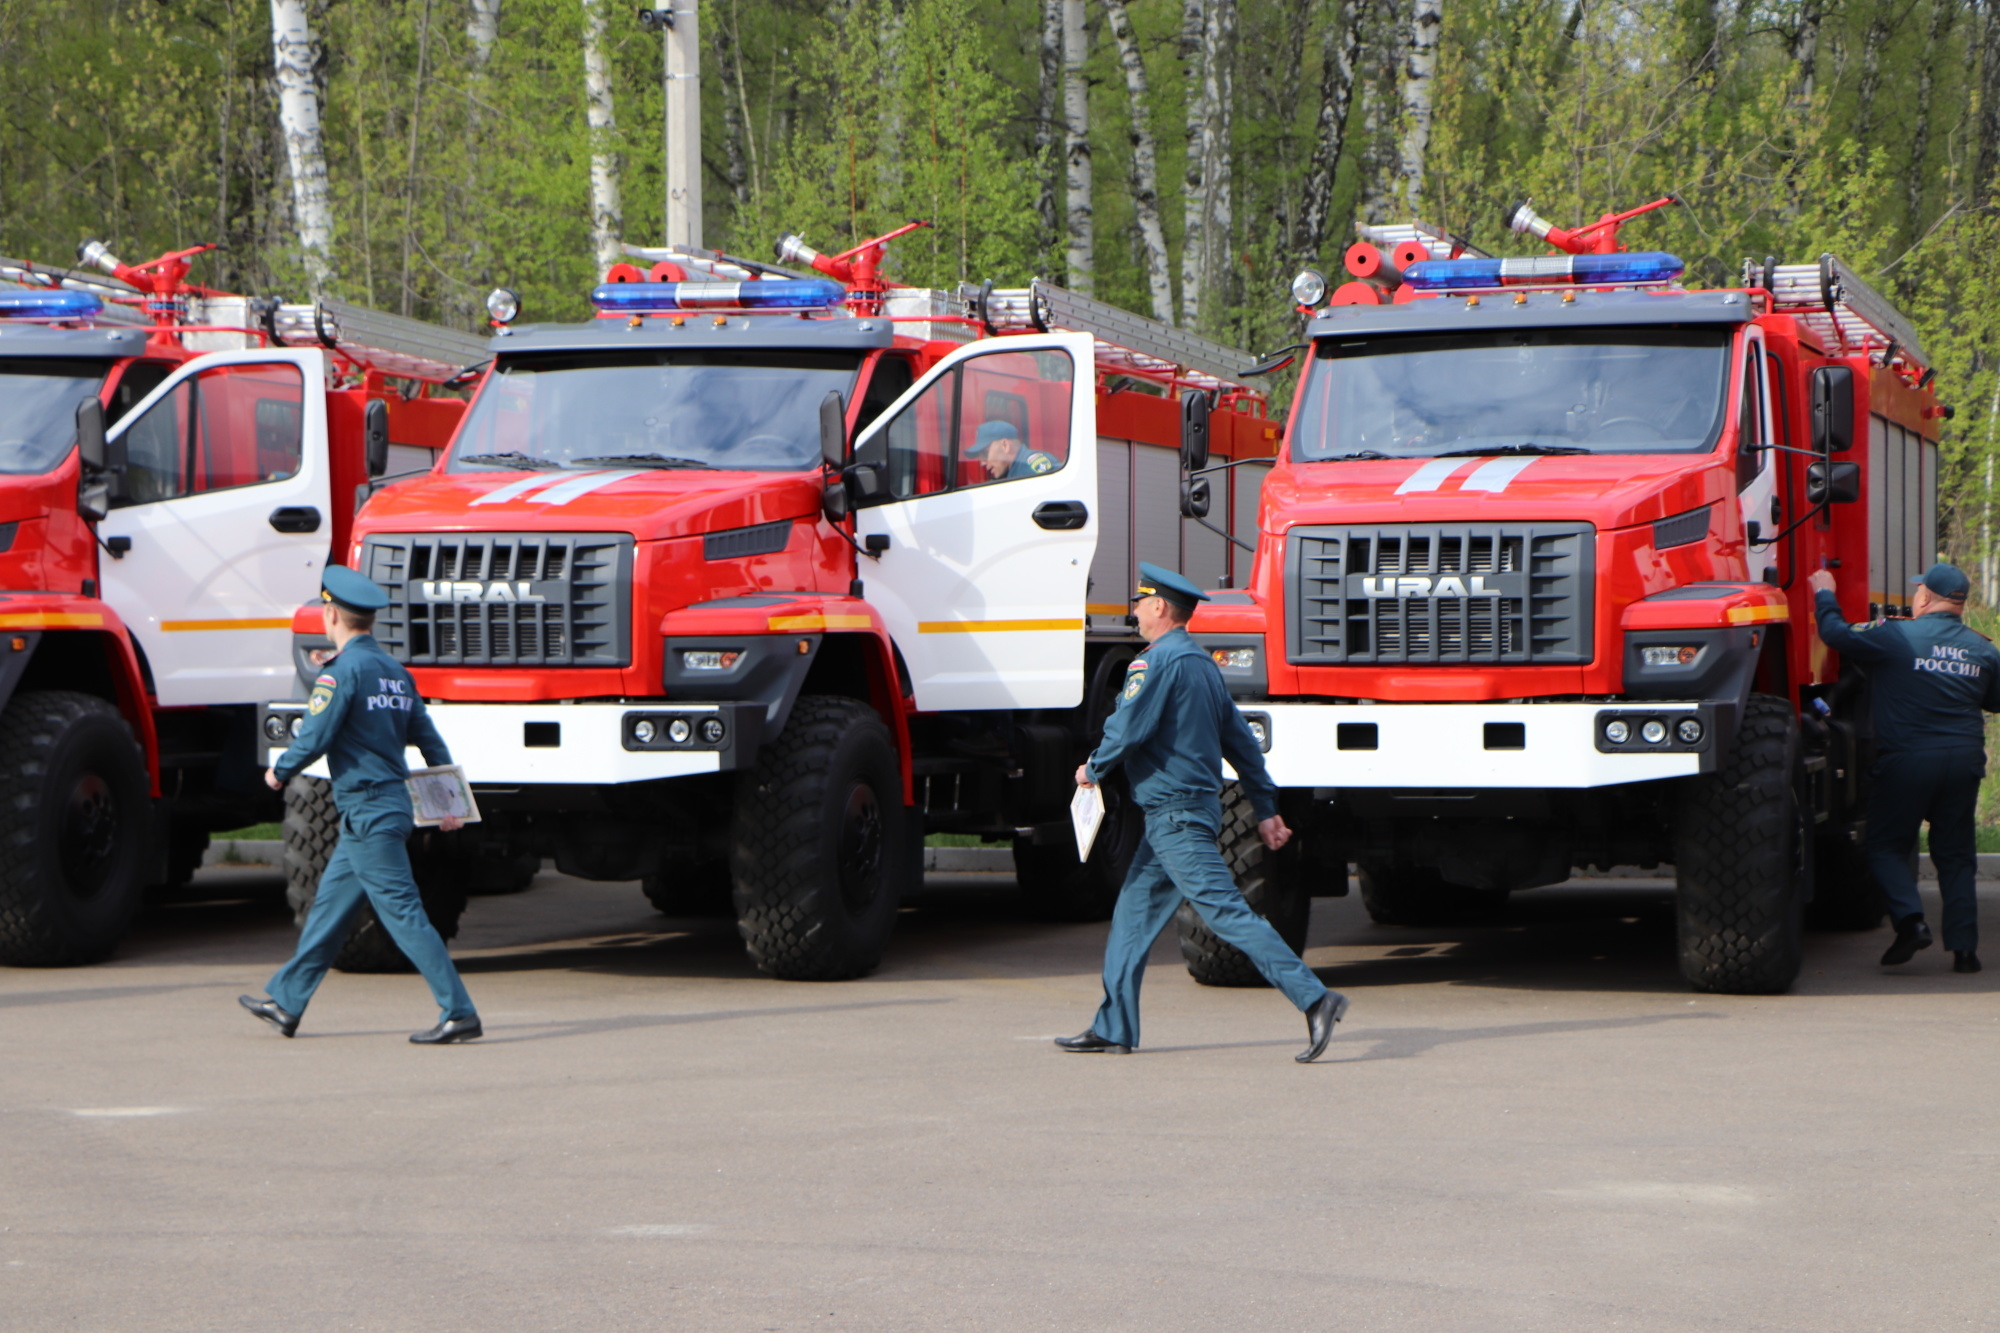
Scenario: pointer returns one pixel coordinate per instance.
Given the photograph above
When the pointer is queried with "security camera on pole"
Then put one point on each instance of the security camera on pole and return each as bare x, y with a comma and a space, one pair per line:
679, 27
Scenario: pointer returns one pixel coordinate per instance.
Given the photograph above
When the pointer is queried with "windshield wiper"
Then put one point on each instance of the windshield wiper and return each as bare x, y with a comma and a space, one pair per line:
1486, 449
644, 460
514, 460
1359, 453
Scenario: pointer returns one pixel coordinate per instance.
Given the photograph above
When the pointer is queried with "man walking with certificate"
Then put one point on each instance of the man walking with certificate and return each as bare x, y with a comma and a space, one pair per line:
364, 709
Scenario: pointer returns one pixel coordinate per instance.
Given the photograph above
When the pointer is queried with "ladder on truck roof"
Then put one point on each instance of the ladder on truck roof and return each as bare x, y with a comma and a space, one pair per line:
391, 345
1125, 341
1831, 300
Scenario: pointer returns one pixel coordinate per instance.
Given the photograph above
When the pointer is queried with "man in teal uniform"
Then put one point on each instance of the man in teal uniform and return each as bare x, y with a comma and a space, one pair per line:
1174, 725
998, 446
363, 711
1932, 680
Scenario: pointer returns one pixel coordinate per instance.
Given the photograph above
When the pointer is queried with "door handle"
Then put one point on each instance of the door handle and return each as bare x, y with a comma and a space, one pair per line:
1061, 515
295, 518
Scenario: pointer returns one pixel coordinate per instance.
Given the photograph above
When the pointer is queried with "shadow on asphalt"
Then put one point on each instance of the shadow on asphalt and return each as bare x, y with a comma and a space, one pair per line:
1615, 936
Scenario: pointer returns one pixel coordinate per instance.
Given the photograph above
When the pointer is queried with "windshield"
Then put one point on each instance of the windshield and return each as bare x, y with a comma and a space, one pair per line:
737, 410
38, 402
1610, 391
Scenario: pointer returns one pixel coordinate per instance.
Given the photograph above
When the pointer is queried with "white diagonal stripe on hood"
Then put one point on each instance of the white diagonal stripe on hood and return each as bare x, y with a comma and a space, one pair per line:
584, 485
512, 489
1430, 476
1494, 474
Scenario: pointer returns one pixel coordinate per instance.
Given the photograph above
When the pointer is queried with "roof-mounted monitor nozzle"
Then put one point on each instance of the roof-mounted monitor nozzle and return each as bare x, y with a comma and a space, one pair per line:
1599, 238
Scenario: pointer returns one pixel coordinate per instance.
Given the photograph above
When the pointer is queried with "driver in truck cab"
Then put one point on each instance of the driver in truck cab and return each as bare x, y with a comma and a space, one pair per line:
997, 446
1933, 679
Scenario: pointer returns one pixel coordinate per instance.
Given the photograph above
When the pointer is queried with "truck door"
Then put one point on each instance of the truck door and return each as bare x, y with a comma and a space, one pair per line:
990, 517
227, 507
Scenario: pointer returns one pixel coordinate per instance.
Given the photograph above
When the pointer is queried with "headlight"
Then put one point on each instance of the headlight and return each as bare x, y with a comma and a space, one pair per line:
709, 659
1669, 656
712, 730
298, 724
1654, 732
1308, 288
1261, 732
1235, 659
274, 728
503, 305
1617, 731
678, 731
1689, 730
643, 731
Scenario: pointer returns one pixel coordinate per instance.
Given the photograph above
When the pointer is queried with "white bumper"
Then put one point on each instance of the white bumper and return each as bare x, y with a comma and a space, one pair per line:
1447, 745
516, 745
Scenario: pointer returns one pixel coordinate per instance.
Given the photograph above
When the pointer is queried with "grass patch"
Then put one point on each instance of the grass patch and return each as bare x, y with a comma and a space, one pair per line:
255, 833
957, 840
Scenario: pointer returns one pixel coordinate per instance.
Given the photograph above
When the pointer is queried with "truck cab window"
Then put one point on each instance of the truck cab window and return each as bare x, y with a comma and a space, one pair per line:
891, 380
994, 418
230, 426
1751, 455
38, 401
140, 378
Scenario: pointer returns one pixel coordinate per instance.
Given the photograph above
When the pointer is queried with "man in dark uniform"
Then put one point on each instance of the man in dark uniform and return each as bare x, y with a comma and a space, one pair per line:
363, 711
1931, 679
1173, 726
998, 446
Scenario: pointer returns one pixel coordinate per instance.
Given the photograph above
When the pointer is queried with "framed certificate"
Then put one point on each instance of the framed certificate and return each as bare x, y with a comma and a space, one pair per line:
437, 794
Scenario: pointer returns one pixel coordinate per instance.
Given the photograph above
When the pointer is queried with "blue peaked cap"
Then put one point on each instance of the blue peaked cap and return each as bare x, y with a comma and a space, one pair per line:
1157, 582
988, 433
357, 592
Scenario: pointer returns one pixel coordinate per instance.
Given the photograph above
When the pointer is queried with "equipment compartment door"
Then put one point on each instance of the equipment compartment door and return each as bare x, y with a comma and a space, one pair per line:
228, 509
991, 523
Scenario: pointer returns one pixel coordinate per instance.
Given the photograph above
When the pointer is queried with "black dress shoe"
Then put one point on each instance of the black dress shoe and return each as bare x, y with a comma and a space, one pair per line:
1089, 1043
451, 1030
1320, 1021
1964, 960
268, 1010
1912, 934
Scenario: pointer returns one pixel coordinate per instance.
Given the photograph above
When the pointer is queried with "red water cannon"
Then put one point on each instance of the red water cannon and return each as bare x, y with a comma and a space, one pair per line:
859, 269
1599, 238
163, 281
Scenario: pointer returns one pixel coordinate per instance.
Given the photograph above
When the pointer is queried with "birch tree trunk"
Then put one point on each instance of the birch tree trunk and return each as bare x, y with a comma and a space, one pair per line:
1218, 164
1339, 44
297, 56
1805, 49
1194, 195
1419, 80
607, 215
1047, 108
1081, 254
722, 43
483, 30
1381, 39
1145, 164
1986, 169
1942, 13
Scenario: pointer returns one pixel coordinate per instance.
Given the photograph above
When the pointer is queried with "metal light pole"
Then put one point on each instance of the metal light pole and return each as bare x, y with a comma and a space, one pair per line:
679, 26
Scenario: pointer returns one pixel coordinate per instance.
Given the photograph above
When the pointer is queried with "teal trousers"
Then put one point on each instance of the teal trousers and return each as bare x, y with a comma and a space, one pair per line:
372, 861
1177, 859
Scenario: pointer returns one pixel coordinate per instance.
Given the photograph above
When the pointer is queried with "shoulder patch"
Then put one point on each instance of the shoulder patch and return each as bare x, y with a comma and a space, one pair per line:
1135, 680
1039, 462
327, 680
322, 696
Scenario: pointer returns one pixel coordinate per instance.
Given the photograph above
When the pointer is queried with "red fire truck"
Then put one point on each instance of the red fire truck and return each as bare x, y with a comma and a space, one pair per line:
1530, 585
742, 586
176, 465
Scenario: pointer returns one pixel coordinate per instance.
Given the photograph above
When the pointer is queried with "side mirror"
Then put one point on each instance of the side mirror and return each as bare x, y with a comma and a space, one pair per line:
1194, 431
1833, 409
1833, 483
90, 433
832, 430
375, 436
1194, 497
833, 502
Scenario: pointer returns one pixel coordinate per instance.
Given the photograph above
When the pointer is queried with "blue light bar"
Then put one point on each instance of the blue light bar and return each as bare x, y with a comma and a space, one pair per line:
645, 298
1639, 268
51, 304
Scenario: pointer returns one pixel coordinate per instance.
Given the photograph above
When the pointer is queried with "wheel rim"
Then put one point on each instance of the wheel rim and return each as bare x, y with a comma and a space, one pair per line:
860, 858
87, 841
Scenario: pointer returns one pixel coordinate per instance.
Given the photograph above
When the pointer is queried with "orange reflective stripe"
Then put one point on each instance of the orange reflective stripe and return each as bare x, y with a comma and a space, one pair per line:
1750, 615
53, 620
177, 626
818, 622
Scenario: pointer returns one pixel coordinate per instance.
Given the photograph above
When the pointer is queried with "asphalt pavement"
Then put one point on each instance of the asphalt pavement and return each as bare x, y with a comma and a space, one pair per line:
1528, 1124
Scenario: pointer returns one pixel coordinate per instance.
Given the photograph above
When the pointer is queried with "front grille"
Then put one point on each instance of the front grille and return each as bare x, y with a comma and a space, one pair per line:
504, 598
1446, 593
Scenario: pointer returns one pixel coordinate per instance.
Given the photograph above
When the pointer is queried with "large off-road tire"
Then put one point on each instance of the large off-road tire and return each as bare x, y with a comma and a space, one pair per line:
312, 830
1743, 861
1271, 885
75, 824
1845, 894
820, 844
692, 889
1405, 895
1058, 887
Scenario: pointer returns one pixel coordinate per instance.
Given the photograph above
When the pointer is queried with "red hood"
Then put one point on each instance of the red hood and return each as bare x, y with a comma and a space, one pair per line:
651, 505
1609, 491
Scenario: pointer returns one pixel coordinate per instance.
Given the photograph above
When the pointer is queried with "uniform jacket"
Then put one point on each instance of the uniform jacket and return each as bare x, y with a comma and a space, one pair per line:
1932, 676
364, 709
1174, 725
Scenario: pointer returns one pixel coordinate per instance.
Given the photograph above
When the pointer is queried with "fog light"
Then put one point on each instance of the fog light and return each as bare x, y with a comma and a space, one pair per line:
1669, 656
643, 731
1235, 659
678, 731
1689, 730
709, 659
1308, 288
1617, 731
1654, 732
274, 728
712, 730
298, 724
1260, 731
